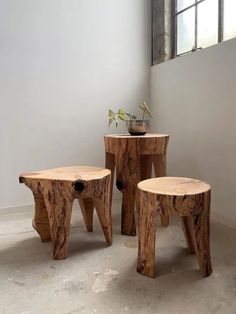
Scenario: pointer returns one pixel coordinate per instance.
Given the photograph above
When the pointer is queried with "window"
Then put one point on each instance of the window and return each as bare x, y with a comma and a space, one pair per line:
202, 23
229, 19
183, 26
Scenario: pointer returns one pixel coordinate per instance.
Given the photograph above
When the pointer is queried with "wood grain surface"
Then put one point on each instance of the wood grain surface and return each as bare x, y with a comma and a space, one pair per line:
54, 192
188, 198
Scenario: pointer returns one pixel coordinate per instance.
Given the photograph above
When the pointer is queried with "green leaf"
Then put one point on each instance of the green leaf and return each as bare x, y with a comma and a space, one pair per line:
111, 113
121, 114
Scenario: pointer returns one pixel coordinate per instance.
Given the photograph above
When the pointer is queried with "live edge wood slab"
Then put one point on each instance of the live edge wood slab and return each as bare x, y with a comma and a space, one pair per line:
132, 158
54, 191
190, 199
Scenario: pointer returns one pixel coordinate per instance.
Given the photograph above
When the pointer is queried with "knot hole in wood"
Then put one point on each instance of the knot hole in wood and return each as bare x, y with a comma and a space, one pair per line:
119, 185
79, 186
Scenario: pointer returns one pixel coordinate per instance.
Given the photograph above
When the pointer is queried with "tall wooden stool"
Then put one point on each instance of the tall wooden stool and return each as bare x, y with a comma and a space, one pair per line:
132, 157
54, 191
188, 198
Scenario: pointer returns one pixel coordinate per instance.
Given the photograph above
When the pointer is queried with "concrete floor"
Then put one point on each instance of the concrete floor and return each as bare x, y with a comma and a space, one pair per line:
97, 279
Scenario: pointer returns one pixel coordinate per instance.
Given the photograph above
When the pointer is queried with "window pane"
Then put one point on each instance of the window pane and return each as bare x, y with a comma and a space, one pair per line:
229, 19
185, 30
207, 29
182, 4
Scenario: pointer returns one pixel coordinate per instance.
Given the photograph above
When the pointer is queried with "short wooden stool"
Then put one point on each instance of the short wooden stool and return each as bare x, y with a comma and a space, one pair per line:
54, 191
188, 198
132, 157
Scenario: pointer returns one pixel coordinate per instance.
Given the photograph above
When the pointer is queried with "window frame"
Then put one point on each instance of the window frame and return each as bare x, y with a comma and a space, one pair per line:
175, 14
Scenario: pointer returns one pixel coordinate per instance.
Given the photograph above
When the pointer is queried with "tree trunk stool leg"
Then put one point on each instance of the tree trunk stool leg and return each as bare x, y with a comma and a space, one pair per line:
87, 209
202, 236
40, 222
147, 234
188, 228
127, 178
160, 169
128, 225
59, 207
110, 164
103, 209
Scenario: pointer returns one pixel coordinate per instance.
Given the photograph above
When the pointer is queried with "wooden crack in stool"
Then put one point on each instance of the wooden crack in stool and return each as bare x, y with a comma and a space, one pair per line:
188, 198
54, 191
132, 157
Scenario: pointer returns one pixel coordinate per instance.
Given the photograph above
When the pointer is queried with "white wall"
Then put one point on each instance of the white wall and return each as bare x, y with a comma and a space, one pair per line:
63, 63
194, 100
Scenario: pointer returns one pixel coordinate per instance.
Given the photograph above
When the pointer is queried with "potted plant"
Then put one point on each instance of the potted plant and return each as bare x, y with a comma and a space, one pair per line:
135, 126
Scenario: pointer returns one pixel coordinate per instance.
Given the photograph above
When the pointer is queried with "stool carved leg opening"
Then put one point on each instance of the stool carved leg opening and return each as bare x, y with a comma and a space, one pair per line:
41, 222
188, 228
87, 209
103, 209
102, 203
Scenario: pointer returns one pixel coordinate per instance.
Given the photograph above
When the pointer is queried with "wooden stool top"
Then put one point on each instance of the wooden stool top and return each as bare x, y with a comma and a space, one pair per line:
174, 186
128, 136
73, 173
148, 144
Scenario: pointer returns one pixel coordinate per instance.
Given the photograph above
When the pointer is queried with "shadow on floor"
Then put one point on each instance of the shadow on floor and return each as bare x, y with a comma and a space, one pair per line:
134, 286
32, 252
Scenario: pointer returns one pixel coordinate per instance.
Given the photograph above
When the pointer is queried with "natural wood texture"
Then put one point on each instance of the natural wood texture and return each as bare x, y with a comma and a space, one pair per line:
127, 178
55, 190
58, 200
188, 198
110, 164
148, 144
146, 167
174, 186
104, 215
71, 174
146, 162
202, 235
159, 164
147, 234
133, 158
